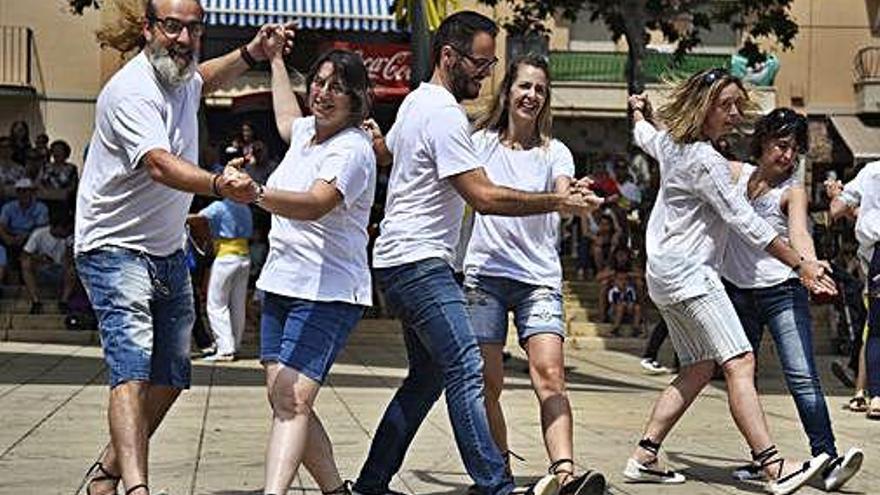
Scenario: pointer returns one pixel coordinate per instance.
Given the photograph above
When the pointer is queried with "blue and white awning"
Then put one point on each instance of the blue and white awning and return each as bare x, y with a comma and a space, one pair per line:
341, 15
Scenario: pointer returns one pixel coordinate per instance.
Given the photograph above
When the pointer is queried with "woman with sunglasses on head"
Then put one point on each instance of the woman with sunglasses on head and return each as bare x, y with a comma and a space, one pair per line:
511, 264
765, 291
689, 225
316, 279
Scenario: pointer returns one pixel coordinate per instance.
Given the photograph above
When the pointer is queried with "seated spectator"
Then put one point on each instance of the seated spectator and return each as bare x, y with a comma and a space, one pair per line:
58, 176
35, 161
20, 135
624, 304
10, 170
18, 219
41, 143
245, 139
621, 268
260, 166
48, 254
607, 238
630, 192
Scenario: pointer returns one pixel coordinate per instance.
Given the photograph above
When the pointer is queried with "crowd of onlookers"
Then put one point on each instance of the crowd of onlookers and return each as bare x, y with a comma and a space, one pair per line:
37, 192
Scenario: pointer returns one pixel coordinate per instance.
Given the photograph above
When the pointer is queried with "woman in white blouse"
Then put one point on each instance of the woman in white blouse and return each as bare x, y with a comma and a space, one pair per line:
687, 230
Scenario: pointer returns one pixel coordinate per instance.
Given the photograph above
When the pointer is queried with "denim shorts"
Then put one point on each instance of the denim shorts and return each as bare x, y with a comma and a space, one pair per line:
305, 335
144, 306
536, 309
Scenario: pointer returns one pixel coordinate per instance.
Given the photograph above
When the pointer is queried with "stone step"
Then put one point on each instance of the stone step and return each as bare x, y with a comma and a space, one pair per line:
23, 306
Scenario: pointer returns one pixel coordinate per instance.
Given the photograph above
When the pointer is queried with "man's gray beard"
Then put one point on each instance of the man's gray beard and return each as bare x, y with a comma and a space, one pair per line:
167, 70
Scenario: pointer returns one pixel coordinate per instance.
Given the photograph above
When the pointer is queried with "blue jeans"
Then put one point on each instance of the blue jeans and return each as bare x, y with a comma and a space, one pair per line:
443, 356
144, 306
872, 345
785, 309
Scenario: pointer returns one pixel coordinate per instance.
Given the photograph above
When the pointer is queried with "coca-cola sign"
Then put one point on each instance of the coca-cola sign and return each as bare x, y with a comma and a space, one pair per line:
388, 64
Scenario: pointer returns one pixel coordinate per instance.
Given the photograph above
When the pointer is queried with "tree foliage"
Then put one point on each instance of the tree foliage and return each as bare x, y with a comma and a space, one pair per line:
78, 6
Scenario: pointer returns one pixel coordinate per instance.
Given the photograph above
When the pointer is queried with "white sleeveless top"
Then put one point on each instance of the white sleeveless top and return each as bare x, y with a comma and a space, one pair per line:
745, 266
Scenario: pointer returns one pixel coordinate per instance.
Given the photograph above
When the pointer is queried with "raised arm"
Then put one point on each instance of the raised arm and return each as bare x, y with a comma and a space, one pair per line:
384, 158
283, 100
222, 70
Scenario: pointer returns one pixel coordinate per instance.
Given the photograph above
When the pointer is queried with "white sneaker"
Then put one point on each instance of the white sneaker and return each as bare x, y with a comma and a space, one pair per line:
636, 472
547, 485
652, 367
841, 469
791, 483
748, 472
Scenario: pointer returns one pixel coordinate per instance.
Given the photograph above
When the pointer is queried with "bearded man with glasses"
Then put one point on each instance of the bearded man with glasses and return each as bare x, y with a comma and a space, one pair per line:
137, 186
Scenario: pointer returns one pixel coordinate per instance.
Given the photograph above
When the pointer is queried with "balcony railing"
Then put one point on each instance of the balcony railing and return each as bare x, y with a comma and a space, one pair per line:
17, 56
867, 63
610, 67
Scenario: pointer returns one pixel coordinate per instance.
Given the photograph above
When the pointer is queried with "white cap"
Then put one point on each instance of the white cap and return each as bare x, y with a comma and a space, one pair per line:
24, 184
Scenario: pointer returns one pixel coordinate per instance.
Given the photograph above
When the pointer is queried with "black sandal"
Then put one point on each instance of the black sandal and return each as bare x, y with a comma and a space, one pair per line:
588, 483
103, 476
343, 489
138, 487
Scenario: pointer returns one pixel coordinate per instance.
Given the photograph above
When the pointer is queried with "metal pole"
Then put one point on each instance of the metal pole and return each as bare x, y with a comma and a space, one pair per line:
421, 45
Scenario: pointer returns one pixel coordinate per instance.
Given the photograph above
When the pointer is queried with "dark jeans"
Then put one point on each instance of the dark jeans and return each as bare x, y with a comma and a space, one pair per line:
872, 345
443, 356
785, 309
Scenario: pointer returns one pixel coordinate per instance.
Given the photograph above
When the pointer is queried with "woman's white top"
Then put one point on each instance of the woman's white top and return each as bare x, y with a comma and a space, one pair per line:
519, 248
324, 259
748, 267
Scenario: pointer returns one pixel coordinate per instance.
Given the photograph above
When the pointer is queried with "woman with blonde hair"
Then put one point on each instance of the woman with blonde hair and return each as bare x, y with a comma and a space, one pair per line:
696, 208
511, 264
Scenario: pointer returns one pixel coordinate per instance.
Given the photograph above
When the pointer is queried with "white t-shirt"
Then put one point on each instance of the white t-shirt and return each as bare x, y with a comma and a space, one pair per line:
41, 242
520, 248
324, 259
864, 192
430, 141
118, 203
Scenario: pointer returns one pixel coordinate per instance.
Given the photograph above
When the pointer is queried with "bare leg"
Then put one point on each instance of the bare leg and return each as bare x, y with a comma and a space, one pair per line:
745, 407
317, 453
672, 403
493, 377
618, 311
548, 379
29, 266
158, 402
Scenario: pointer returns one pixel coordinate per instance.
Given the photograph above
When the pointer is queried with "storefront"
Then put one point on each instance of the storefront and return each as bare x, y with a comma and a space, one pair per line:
365, 26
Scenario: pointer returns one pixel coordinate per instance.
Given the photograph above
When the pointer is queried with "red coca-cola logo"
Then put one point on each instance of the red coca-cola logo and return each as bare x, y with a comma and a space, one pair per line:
389, 66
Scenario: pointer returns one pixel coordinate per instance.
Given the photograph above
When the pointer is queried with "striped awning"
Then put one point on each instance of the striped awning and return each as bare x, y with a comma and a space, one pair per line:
341, 15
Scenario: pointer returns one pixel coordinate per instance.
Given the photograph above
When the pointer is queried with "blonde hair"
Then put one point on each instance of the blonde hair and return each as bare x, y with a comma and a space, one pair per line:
496, 119
690, 101
126, 32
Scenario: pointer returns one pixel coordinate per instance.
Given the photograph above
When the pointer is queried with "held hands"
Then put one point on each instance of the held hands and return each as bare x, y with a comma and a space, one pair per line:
579, 199
815, 276
833, 188
272, 40
641, 104
235, 184
372, 129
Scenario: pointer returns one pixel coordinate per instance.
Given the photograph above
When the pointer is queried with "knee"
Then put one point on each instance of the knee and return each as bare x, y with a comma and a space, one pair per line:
549, 381
700, 373
287, 404
740, 366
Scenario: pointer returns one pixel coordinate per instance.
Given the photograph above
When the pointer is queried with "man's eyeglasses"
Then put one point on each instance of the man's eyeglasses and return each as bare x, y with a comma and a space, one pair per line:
713, 75
174, 27
479, 63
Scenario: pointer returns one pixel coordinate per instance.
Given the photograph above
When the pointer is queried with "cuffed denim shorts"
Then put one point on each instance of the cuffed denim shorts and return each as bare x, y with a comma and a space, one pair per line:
305, 335
536, 309
144, 306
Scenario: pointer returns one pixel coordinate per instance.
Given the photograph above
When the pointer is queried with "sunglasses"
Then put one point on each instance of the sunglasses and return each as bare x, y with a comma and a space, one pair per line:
709, 78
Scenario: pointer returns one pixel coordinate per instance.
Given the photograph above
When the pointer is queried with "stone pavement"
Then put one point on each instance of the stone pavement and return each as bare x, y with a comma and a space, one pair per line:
53, 423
